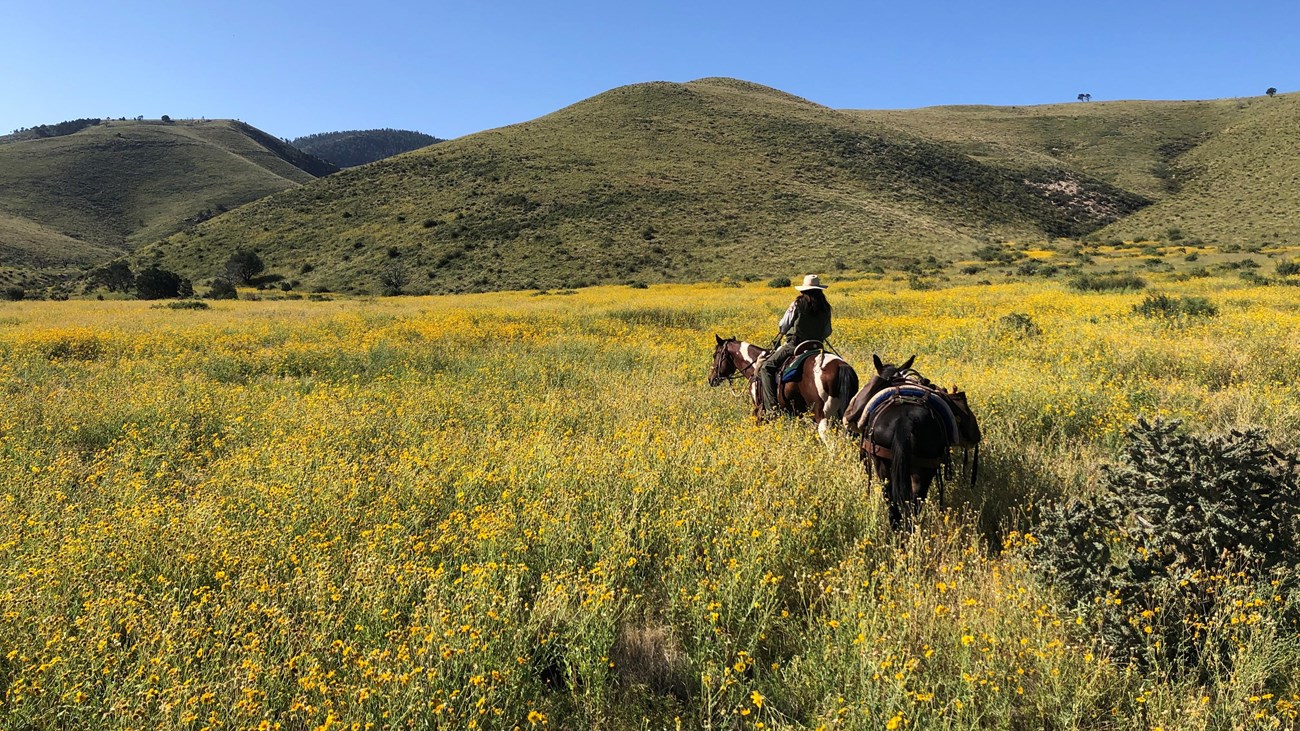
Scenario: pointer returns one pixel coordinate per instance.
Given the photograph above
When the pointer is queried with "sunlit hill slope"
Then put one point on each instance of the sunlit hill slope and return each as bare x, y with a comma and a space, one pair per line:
655, 181
83, 198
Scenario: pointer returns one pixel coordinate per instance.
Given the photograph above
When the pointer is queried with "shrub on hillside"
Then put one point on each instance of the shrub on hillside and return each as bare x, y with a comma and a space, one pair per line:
115, 276
1107, 282
155, 283
1173, 557
14, 293
778, 282
243, 265
997, 254
1288, 268
222, 289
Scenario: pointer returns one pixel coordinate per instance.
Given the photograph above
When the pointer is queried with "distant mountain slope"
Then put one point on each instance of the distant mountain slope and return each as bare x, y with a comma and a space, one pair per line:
658, 181
359, 147
1240, 186
86, 197
1224, 171
1130, 144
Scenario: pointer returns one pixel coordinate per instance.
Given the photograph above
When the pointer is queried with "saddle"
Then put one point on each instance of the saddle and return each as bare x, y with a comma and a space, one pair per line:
792, 370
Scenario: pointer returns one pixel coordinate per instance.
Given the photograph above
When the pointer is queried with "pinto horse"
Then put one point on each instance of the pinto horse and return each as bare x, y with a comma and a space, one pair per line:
825, 383
907, 427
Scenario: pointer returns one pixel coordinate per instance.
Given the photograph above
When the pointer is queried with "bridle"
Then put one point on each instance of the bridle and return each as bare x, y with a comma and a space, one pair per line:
737, 373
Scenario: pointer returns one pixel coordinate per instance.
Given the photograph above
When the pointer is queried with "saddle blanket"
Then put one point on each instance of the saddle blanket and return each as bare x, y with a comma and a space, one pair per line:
935, 400
793, 371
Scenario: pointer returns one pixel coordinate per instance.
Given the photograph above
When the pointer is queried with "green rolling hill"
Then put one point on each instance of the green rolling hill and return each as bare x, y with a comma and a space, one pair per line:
652, 182
1241, 186
1225, 171
75, 200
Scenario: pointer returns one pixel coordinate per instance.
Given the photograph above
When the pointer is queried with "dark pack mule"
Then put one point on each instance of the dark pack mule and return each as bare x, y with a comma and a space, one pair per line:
908, 428
824, 385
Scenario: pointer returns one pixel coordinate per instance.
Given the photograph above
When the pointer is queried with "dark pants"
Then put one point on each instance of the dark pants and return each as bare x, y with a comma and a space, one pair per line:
770, 372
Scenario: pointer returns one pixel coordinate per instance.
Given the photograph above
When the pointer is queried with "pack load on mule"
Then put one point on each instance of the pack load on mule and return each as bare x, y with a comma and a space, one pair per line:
908, 427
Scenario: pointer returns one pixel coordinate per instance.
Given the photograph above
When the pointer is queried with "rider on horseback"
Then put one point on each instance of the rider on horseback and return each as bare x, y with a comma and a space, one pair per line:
807, 318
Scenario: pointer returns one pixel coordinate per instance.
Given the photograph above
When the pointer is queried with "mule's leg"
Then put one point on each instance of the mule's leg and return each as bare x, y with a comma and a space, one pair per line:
921, 487
895, 511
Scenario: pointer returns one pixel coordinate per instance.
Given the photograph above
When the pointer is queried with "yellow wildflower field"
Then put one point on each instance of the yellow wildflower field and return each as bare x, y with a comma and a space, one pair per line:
519, 511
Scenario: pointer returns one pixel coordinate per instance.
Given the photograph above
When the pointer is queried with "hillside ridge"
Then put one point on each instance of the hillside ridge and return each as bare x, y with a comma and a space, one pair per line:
659, 181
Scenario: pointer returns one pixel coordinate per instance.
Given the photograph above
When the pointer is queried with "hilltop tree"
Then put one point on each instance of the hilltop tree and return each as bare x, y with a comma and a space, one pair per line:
1271, 90
243, 265
1085, 97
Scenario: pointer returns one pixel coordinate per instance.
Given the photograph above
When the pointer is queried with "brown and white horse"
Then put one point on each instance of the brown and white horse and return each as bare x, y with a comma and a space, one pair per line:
824, 388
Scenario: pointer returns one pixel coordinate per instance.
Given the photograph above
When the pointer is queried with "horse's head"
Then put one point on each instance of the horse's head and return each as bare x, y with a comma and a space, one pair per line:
723, 363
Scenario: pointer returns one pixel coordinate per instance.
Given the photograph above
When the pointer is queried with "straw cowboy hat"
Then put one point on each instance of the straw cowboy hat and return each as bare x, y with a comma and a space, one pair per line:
810, 281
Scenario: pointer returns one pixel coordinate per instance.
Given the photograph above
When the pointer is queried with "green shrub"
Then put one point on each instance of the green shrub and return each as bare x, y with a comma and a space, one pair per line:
1162, 306
997, 254
1107, 282
1288, 268
1183, 527
183, 305
1020, 324
14, 294
779, 282
156, 283
222, 289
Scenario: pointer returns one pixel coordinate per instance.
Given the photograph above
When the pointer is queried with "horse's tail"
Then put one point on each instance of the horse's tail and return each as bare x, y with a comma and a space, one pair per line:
900, 469
846, 387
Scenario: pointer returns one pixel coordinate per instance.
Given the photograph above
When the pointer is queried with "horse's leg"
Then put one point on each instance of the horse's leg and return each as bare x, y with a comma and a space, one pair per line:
824, 431
820, 419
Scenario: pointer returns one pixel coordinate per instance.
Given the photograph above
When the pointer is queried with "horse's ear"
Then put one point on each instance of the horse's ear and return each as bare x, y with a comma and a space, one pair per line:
718, 338
879, 366
907, 364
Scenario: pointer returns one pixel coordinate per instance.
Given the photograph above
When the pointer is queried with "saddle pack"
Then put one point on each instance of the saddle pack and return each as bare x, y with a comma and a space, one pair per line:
951, 407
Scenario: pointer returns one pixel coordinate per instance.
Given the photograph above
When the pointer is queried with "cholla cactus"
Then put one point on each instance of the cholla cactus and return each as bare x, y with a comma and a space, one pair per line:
1183, 523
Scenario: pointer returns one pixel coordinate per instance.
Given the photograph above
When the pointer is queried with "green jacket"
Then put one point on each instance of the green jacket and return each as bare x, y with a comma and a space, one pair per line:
799, 324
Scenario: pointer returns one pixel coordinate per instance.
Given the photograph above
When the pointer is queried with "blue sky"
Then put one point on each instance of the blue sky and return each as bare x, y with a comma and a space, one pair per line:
453, 68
